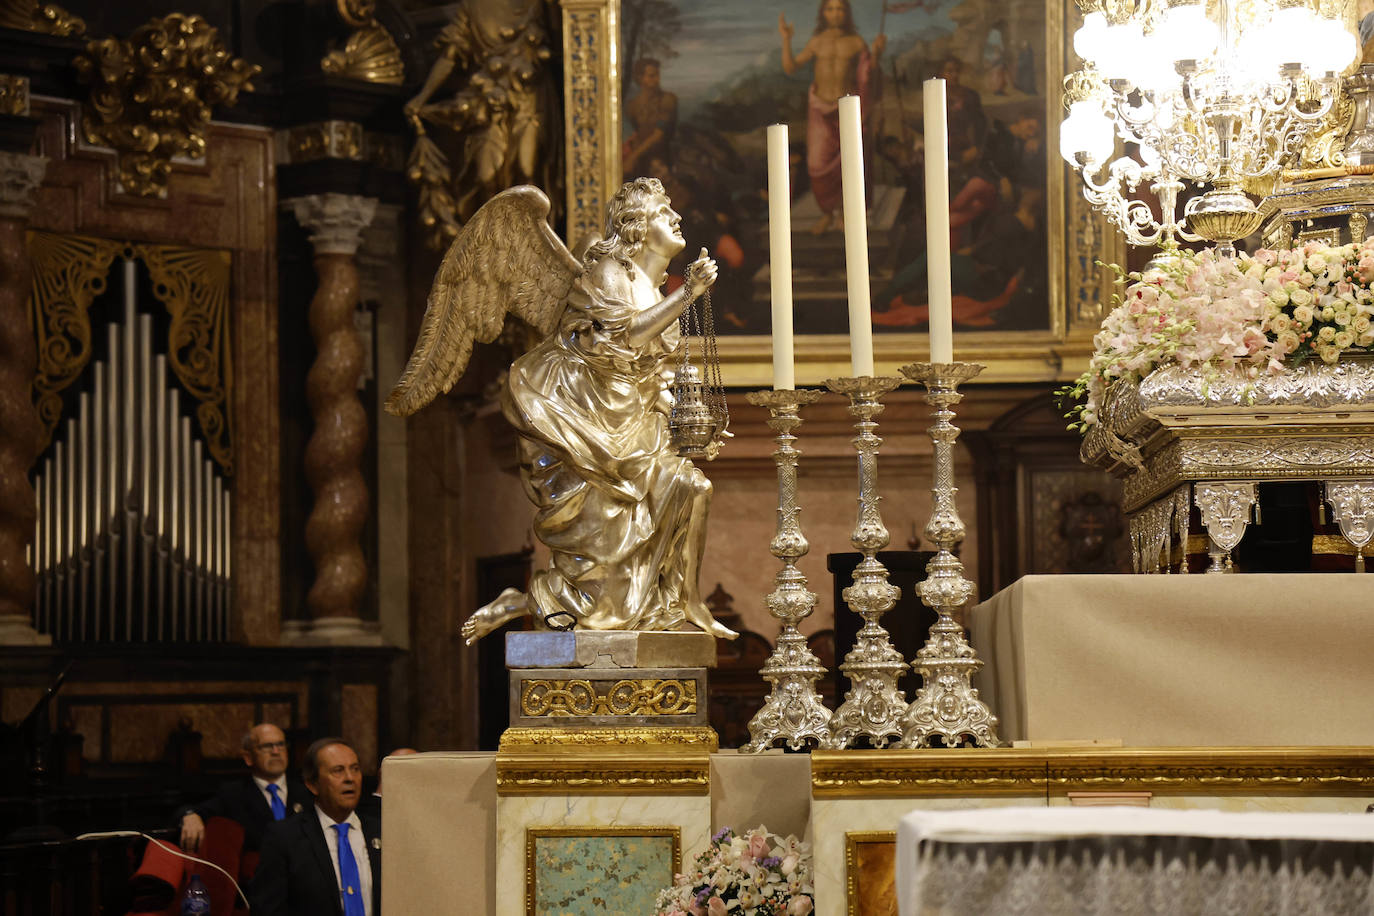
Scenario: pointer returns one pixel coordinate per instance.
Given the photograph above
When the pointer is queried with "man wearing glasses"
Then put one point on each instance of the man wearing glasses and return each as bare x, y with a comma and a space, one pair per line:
267, 795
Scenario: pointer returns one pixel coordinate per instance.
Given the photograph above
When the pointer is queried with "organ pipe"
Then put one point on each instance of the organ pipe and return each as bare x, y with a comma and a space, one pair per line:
133, 515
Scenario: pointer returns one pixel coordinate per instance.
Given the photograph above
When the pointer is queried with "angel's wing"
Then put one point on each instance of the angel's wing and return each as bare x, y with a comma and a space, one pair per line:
507, 259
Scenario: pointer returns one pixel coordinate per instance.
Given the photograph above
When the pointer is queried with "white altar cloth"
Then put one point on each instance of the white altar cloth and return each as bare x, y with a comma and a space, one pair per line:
1066, 861
1171, 660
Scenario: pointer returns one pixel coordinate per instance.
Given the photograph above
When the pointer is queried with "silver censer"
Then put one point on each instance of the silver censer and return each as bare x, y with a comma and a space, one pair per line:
874, 705
947, 705
794, 711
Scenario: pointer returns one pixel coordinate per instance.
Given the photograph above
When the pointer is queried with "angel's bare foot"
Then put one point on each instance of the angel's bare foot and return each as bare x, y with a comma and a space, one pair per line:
509, 605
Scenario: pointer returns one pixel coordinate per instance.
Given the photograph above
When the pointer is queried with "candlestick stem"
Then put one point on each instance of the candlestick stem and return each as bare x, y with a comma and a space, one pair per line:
793, 711
946, 705
874, 705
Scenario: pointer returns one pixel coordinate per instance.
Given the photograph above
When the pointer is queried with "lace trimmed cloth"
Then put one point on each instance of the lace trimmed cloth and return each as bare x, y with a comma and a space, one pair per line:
1126, 861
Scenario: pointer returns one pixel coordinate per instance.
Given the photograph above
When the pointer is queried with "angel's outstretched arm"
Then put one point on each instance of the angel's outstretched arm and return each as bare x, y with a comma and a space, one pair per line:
655, 319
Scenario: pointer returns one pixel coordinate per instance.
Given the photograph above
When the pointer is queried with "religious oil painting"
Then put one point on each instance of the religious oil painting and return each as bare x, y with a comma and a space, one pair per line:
703, 79
582, 871
870, 860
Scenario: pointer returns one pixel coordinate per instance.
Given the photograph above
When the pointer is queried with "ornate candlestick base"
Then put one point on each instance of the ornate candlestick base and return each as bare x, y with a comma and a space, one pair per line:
874, 705
946, 706
794, 710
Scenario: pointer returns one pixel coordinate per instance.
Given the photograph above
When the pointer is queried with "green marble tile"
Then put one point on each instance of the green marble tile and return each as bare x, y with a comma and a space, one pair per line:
598, 874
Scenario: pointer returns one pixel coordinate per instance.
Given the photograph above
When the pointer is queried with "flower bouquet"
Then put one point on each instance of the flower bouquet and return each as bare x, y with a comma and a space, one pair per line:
1242, 317
757, 874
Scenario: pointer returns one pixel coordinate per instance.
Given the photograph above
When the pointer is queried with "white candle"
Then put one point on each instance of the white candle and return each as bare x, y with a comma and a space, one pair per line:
940, 295
855, 237
780, 255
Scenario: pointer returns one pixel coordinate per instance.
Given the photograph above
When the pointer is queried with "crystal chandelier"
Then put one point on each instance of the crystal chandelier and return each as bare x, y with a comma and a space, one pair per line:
1214, 93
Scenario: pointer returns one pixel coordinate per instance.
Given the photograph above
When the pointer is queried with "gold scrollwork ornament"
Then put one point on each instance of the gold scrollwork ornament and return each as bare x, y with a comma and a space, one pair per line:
370, 55
33, 16
152, 96
68, 273
626, 697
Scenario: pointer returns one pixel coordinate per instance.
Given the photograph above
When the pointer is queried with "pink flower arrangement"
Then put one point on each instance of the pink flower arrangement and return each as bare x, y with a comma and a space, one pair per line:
757, 874
1249, 314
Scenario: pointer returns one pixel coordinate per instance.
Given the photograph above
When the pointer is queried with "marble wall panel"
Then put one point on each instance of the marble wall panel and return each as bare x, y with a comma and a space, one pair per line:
138, 732
359, 702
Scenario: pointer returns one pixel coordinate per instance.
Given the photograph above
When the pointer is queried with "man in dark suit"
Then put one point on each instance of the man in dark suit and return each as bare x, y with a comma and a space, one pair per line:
329, 859
265, 795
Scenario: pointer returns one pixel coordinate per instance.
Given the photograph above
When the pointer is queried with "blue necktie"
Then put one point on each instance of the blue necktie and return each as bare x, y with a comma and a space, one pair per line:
352, 890
278, 806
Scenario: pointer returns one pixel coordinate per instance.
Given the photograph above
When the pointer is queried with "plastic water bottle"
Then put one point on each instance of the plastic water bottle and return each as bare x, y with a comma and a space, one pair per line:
196, 900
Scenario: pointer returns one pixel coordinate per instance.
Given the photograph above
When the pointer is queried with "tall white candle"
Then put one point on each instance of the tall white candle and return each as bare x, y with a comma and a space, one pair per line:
940, 296
856, 237
780, 255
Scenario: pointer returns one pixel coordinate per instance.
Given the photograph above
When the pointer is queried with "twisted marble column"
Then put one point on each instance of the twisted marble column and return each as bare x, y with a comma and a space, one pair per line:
335, 448
20, 428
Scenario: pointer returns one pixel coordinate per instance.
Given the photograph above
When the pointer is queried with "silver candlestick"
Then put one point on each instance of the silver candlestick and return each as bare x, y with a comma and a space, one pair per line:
794, 710
874, 705
946, 705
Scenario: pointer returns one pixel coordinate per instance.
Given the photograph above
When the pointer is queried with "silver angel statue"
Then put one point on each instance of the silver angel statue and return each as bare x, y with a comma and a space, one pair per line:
622, 515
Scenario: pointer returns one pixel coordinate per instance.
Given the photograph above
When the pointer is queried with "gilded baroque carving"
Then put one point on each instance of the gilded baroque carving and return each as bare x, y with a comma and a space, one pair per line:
544, 697
593, 107
501, 116
370, 55
152, 96
68, 273
325, 140
35, 16
14, 95
193, 285
683, 737
644, 760
1036, 771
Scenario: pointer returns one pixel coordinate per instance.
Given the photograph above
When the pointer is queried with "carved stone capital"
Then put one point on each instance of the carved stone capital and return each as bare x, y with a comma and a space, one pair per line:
335, 221
20, 176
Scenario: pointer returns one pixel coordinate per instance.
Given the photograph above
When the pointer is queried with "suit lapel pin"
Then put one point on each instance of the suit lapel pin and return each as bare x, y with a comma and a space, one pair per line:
296, 808
376, 842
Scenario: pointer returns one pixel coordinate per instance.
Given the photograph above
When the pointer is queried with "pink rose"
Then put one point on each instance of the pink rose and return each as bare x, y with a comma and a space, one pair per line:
758, 846
799, 906
715, 907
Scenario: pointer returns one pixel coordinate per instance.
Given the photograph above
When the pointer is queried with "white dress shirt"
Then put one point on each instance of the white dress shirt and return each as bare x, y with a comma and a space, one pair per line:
280, 783
358, 843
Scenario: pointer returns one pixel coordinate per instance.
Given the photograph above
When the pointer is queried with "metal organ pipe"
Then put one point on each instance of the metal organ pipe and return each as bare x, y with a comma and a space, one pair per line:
134, 520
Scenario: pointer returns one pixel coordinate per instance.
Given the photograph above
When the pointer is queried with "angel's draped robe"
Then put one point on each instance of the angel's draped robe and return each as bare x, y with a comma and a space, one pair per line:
614, 501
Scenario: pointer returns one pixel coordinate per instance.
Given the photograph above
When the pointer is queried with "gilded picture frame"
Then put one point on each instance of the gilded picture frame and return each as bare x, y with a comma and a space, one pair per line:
870, 872
642, 869
1078, 238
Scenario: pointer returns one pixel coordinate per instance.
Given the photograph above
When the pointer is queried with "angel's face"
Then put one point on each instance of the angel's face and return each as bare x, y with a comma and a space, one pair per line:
665, 234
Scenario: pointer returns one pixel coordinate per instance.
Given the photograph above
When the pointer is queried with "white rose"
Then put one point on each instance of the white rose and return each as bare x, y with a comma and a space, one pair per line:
1345, 339
1280, 323
1329, 354
1361, 324
1303, 316
1300, 297
1289, 341
1279, 297
1326, 334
